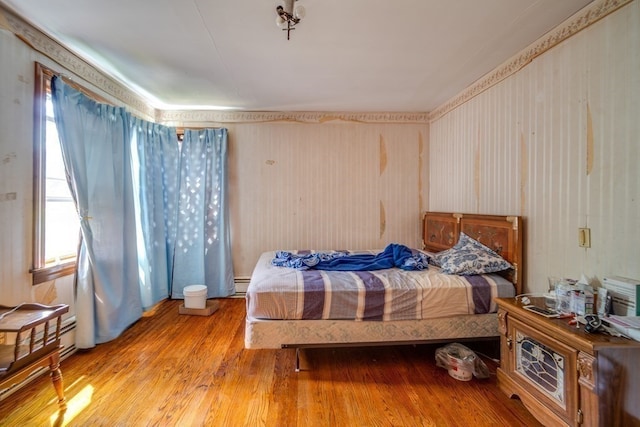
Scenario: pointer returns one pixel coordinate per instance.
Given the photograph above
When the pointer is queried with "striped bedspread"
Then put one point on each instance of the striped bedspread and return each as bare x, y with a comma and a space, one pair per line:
390, 294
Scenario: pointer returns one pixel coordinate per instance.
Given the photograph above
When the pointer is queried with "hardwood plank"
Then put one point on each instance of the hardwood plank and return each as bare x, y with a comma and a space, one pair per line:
178, 370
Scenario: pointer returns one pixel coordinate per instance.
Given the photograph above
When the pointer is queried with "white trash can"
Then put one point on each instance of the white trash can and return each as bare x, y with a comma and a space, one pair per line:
195, 296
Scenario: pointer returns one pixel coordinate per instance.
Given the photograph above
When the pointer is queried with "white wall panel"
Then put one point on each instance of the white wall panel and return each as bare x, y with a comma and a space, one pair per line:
558, 143
324, 186
16, 160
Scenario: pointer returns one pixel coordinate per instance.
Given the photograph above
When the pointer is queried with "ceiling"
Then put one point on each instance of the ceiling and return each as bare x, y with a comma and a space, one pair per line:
355, 55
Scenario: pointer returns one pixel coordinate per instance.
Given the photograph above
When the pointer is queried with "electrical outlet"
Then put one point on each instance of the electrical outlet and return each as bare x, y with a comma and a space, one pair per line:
584, 237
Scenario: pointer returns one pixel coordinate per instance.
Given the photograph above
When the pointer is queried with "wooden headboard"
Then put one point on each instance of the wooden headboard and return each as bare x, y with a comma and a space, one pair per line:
503, 234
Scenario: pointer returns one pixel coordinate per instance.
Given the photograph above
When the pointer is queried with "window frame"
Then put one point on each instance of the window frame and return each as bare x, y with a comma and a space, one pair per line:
40, 271
42, 85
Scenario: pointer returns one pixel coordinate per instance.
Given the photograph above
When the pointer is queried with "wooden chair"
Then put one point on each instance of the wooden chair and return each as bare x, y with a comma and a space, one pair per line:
37, 344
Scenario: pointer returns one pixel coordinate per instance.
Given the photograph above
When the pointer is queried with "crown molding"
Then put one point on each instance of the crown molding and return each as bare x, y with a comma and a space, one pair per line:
197, 118
578, 22
55, 51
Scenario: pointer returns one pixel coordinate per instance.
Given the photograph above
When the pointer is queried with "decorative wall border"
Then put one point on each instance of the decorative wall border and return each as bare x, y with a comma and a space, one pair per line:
201, 117
576, 23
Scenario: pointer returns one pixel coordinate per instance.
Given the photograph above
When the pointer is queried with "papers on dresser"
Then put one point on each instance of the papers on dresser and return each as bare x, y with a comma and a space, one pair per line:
627, 325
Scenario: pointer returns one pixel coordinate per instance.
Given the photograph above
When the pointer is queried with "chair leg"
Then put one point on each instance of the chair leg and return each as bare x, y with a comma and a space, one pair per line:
56, 378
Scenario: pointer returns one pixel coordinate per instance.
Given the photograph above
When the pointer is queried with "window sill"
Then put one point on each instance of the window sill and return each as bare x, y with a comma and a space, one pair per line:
47, 274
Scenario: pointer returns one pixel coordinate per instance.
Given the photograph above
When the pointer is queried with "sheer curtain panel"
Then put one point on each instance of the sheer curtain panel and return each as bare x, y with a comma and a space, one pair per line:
202, 249
156, 162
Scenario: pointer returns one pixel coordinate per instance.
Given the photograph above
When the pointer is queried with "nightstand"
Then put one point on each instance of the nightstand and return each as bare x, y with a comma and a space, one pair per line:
562, 374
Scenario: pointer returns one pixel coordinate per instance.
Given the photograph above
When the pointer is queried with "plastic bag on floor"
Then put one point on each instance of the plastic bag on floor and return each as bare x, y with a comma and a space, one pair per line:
461, 362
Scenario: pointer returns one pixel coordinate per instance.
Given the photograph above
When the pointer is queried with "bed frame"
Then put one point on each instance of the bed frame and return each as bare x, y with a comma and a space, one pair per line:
440, 231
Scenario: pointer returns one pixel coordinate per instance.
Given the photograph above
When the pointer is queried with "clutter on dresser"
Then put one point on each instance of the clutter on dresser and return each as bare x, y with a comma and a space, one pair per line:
628, 326
570, 296
611, 308
624, 293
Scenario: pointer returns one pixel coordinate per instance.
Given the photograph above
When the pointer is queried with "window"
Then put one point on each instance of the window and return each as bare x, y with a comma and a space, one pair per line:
56, 225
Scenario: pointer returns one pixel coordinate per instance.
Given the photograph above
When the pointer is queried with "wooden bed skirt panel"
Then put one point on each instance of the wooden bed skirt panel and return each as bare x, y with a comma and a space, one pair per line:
503, 234
301, 333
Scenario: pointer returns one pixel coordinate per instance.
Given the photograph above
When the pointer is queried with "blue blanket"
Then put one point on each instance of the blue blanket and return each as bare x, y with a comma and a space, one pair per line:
394, 255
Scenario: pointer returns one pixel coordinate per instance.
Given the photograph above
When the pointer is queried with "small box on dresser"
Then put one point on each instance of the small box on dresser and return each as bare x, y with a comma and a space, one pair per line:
565, 376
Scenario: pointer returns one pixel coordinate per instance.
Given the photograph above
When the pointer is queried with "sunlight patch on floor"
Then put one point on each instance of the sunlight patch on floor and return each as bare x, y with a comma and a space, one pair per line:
74, 406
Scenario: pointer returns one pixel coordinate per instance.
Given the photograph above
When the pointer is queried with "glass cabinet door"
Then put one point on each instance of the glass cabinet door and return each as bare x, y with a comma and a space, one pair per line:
547, 365
543, 366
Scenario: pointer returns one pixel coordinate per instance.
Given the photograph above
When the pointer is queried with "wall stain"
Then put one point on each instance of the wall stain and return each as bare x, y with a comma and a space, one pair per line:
4, 24
589, 164
383, 219
9, 158
420, 166
383, 156
8, 196
524, 173
46, 293
476, 172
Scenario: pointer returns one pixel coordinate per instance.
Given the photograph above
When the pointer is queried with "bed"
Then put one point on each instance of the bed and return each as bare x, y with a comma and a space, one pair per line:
281, 314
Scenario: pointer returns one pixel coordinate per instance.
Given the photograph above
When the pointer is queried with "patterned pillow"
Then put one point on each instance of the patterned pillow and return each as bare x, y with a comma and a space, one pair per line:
469, 257
440, 257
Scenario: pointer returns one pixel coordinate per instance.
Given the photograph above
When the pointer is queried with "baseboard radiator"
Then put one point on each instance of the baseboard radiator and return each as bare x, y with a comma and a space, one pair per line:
241, 283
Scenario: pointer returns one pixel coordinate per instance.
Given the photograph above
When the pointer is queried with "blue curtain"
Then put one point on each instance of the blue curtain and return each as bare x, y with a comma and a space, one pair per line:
155, 178
153, 215
95, 146
202, 248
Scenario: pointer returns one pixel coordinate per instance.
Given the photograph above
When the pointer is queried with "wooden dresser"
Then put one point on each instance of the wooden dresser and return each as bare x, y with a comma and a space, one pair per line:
565, 376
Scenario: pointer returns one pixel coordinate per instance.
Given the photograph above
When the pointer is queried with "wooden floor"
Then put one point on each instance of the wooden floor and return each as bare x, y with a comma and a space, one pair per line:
178, 370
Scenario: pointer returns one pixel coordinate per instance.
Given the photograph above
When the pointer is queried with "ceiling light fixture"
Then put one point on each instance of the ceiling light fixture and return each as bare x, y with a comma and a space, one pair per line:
289, 16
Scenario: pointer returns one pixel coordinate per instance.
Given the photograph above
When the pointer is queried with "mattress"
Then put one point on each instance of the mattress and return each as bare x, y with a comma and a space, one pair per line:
280, 293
